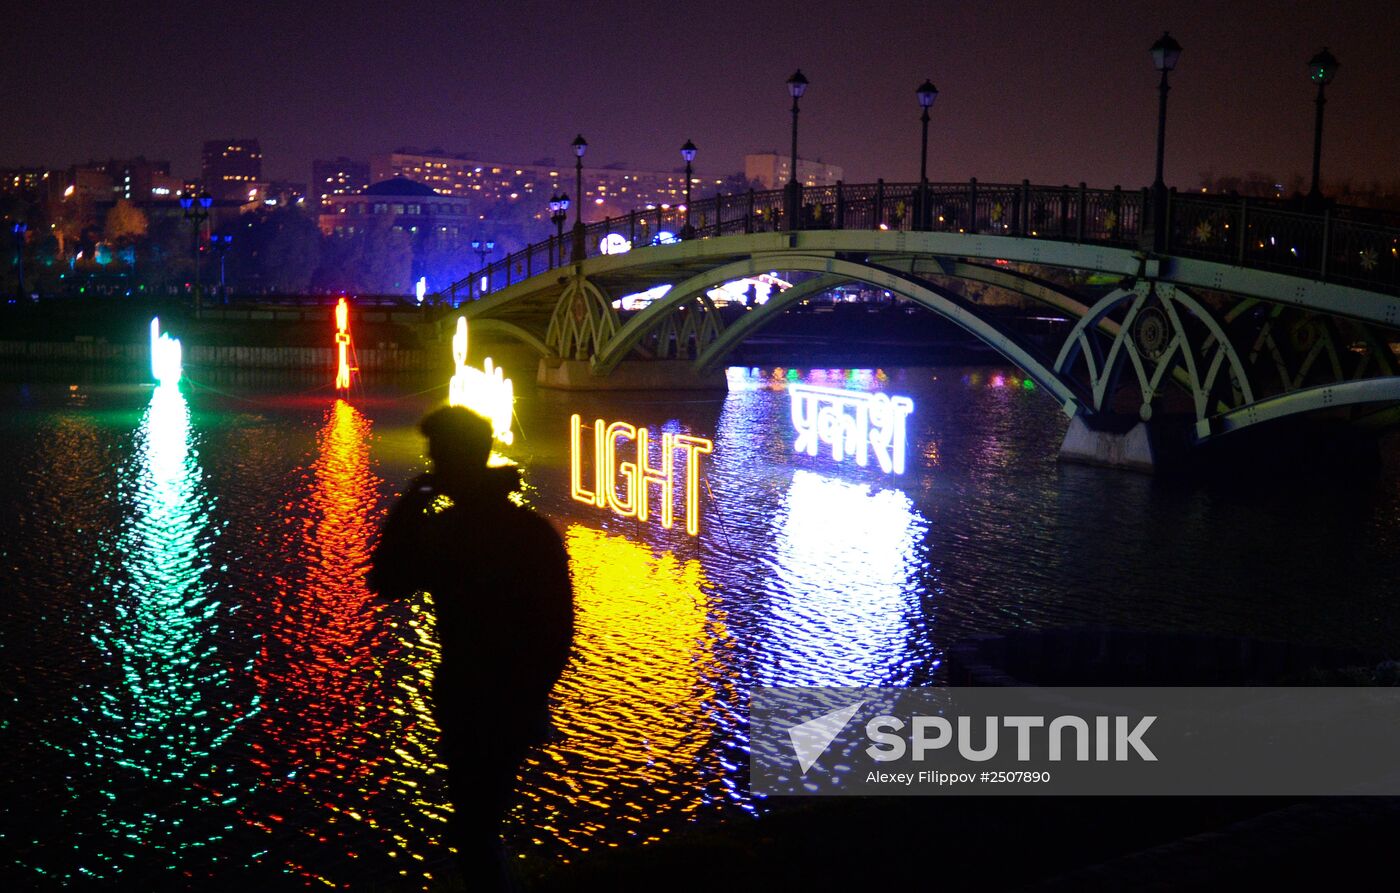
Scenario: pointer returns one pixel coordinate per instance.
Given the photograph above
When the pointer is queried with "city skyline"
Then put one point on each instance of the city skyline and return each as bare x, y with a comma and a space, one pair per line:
501, 87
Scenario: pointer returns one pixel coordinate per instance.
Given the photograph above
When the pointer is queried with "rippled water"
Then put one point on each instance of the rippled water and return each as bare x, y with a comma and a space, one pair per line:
198, 684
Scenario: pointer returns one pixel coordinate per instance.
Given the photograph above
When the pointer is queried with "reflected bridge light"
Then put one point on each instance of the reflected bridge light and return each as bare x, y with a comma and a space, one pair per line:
342, 345
638, 476
165, 355
853, 423
486, 392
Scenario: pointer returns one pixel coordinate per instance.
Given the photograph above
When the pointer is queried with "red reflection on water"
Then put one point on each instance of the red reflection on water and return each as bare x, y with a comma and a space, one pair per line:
338, 716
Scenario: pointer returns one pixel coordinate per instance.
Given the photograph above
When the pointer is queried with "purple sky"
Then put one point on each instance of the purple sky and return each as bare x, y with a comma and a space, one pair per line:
1054, 91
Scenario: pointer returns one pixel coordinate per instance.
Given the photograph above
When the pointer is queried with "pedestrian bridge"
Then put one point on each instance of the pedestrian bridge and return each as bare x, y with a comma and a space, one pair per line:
1228, 312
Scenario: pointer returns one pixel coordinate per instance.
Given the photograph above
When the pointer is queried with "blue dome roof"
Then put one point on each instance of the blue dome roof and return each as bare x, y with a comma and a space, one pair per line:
399, 186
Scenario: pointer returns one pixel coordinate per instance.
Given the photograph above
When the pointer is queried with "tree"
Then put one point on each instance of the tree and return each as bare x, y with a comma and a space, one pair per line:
292, 251
386, 260
125, 224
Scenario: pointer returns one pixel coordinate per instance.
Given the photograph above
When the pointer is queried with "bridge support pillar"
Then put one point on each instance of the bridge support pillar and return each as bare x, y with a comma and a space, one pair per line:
1131, 449
630, 375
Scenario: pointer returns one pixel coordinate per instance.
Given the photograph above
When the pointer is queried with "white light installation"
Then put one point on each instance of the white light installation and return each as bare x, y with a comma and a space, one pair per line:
854, 424
641, 299
614, 243
165, 355
486, 391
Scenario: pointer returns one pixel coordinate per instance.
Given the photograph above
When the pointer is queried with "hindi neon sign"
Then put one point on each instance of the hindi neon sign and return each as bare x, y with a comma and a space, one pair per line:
854, 424
638, 476
342, 345
486, 392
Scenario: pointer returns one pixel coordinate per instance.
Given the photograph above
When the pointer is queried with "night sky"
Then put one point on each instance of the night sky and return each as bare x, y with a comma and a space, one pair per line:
1056, 91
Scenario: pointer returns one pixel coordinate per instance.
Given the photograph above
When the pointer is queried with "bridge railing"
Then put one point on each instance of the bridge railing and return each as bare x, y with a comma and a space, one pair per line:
1346, 245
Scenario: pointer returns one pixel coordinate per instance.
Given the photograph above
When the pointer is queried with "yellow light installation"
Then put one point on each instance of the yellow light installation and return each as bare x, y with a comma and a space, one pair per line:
639, 476
165, 355
342, 345
486, 392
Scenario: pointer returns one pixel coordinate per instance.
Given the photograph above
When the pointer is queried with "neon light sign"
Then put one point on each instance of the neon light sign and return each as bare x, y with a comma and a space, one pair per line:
853, 423
639, 476
165, 355
486, 392
342, 345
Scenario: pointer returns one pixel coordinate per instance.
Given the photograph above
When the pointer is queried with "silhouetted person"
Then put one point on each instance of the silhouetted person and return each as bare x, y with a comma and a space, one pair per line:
499, 579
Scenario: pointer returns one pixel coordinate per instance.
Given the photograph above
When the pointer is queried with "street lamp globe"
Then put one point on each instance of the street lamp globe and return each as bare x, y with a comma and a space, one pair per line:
797, 84
205, 200
927, 94
1323, 67
476, 244
580, 145
688, 151
564, 202
186, 201
490, 245
1165, 52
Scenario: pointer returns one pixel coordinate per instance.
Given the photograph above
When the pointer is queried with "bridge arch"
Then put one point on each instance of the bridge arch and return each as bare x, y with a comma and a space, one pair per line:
925, 294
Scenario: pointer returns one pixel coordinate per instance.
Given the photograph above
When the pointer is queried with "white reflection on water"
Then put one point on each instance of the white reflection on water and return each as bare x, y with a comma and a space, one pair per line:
844, 591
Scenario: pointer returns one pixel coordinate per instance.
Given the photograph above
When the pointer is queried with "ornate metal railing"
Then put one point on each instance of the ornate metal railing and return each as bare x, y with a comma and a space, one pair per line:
1348, 245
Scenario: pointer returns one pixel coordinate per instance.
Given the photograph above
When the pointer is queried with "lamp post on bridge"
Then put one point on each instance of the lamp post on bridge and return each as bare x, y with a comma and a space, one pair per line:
688, 153
558, 213
1321, 69
221, 244
580, 146
1165, 53
797, 85
196, 216
927, 93
21, 231
483, 249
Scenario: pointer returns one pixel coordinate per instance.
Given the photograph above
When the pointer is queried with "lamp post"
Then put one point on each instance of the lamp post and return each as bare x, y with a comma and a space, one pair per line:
580, 146
1321, 69
797, 85
688, 153
196, 211
559, 212
21, 230
1165, 53
221, 244
927, 93
482, 249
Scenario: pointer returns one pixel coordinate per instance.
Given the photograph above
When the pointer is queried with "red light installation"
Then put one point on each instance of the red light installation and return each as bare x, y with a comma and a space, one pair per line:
342, 345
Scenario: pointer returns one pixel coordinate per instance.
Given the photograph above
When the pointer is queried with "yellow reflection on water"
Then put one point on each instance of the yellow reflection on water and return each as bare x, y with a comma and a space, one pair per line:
632, 704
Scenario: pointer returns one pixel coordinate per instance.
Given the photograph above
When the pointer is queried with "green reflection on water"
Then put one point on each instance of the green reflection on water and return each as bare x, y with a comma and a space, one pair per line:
161, 716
